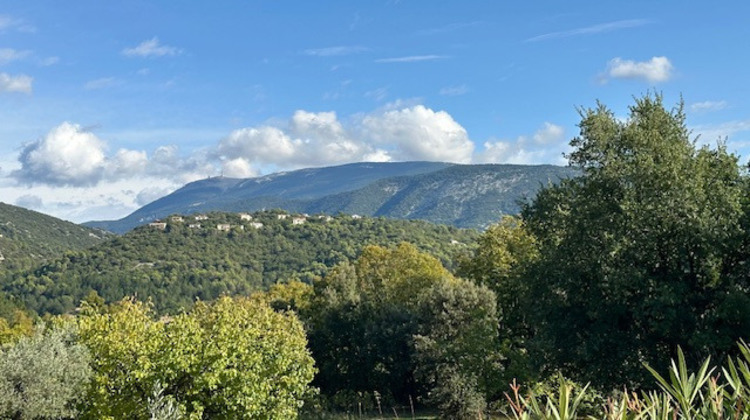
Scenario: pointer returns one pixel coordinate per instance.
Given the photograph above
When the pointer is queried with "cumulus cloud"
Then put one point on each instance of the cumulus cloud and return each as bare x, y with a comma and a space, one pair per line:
238, 168
545, 145
310, 139
658, 69
20, 83
320, 139
549, 134
419, 133
151, 48
69, 155
8, 55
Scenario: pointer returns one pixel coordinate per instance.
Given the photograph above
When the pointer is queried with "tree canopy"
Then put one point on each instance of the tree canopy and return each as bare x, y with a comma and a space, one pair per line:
639, 254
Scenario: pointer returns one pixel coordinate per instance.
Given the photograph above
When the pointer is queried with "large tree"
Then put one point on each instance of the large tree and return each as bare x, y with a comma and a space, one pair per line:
639, 254
229, 359
397, 323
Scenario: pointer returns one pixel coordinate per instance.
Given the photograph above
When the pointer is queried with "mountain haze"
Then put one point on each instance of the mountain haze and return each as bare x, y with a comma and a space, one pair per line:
471, 196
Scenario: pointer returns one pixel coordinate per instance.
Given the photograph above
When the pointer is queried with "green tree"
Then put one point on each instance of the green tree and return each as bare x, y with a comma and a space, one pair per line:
396, 322
456, 348
505, 252
230, 359
43, 376
637, 253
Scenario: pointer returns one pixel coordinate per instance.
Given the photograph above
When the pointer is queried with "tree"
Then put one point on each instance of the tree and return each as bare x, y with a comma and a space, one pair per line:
396, 322
505, 252
43, 376
230, 359
636, 254
456, 348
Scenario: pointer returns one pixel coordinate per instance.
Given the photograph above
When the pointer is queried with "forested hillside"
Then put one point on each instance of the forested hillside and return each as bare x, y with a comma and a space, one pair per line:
28, 238
193, 259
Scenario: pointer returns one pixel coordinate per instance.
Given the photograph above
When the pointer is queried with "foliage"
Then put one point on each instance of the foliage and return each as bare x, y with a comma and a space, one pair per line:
28, 238
173, 267
233, 358
505, 251
456, 348
397, 323
15, 322
43, 376
682, 395
640, 253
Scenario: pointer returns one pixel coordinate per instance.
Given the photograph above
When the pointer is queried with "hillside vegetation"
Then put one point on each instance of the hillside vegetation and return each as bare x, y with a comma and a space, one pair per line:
184, 261
28, 238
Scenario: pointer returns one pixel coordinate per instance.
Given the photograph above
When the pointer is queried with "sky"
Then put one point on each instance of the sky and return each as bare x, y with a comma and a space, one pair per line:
107, 106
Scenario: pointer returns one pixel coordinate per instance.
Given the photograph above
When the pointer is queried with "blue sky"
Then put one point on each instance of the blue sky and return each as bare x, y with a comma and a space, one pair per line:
109, 105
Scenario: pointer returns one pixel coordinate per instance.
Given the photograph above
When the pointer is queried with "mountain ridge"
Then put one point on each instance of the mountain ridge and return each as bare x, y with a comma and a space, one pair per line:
470, 196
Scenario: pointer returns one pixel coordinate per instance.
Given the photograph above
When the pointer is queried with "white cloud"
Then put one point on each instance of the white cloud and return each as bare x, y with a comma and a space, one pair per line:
20, 83
549, 134
592, 30
67, 155
151, 48
335, 51
546, 145
127, 163
310, 139
708, 106
72, 156
419, 133
454, 90
238, 168
321, 139
411, 59
8, 55
658, 69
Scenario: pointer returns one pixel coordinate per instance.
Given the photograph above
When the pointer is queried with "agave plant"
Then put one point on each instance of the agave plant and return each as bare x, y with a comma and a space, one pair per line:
564, 407
685, 388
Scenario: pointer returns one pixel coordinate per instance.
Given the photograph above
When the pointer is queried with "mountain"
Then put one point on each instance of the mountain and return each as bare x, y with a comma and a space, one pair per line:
28, 238
207, 255
461, 195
